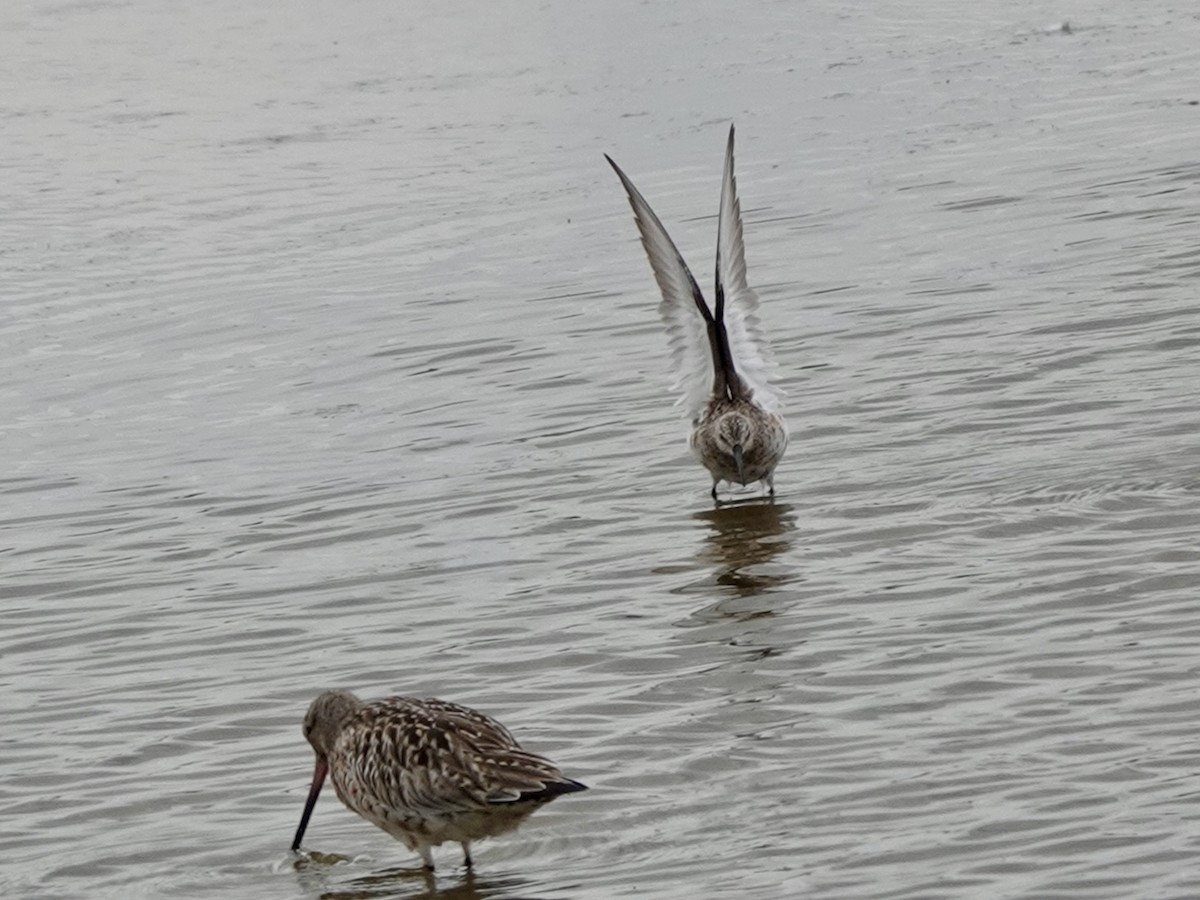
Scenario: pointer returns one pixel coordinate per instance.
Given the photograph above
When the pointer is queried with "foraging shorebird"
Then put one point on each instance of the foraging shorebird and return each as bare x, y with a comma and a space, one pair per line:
425, 771
721, 354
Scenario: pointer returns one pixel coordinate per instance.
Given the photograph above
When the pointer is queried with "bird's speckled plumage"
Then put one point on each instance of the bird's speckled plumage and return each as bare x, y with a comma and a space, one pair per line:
425, 771
722, 356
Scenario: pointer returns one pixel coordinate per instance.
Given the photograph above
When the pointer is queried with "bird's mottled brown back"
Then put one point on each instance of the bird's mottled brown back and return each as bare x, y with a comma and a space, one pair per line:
430, 759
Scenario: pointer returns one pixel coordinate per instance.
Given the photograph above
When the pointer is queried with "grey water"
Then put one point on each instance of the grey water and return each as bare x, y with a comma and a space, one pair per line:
329, 357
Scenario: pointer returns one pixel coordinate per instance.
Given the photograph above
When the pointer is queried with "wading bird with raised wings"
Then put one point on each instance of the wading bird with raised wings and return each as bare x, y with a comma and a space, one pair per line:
721, 354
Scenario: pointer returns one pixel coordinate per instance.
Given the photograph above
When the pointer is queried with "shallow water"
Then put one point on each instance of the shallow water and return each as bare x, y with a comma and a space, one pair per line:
331, 359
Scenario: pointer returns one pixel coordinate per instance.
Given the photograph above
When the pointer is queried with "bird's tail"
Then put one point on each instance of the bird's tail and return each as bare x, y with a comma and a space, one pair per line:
547, 792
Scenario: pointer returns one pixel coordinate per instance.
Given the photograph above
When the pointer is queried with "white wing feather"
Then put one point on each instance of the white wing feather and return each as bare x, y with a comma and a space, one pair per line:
748, 345
687, 333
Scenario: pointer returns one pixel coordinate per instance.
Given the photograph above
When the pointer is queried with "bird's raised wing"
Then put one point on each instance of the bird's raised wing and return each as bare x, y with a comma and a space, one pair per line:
682, 309
752, 358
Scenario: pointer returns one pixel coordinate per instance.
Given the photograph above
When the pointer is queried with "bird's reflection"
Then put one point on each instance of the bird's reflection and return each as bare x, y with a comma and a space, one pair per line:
410, 883
743, 538
743, 593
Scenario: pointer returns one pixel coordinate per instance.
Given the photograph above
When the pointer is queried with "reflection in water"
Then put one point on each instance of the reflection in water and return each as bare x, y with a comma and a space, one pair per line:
744, 538
742, 593
409, 883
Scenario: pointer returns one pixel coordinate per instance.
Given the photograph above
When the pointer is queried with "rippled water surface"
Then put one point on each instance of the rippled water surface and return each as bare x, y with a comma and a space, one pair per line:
330, 357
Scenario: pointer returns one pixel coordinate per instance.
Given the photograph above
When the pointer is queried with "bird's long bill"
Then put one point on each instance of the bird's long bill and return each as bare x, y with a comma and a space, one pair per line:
318, 779
741, 467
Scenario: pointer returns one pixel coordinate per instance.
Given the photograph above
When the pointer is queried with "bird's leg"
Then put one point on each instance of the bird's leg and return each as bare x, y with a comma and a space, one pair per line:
427, 855
714, 489
770, 480
466, 845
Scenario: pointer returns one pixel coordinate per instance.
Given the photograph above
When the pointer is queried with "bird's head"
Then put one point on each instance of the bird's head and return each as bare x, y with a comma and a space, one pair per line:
327, 715
735, 436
